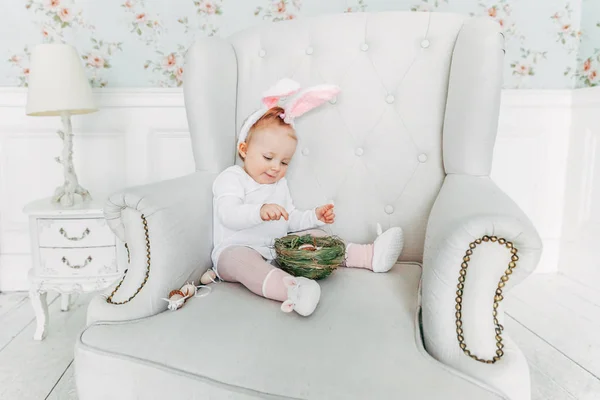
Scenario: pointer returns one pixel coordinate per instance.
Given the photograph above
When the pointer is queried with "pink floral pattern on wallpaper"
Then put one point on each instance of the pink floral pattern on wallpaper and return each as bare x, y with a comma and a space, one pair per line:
567, 34
587, 70
501, 11
20, 61
168, 67
279, 10
147, 27
206, 12
527, 64
524, 66
54, 18
61, 20
207, 7
360, 6
97, 60
428, 5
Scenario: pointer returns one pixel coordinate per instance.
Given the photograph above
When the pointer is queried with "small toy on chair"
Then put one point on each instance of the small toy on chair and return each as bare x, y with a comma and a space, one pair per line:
208, 277
177, 298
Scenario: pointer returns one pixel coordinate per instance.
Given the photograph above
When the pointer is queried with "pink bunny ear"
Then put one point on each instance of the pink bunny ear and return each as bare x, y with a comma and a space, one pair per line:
284, 87
309, 99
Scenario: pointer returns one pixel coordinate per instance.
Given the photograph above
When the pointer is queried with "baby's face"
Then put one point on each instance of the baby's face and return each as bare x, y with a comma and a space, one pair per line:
268, 154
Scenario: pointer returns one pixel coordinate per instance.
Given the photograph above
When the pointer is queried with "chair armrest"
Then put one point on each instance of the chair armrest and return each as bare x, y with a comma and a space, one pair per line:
168, 230
467, 211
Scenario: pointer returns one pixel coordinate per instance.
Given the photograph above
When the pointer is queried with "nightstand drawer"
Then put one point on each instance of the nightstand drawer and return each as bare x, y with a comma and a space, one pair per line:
91, 261
74, 232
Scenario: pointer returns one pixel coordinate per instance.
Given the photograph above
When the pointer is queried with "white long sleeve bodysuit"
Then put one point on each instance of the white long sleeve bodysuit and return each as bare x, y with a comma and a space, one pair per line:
237, 200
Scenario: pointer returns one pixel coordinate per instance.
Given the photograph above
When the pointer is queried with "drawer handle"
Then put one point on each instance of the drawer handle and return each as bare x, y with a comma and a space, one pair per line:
83, 235
87, 261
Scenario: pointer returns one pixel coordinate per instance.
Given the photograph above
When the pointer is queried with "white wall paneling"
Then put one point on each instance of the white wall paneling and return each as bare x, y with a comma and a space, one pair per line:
170, 154
141, 136
580, 257
530, 160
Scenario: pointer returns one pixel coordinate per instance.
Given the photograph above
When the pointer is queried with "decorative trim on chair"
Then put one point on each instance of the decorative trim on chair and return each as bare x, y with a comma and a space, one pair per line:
497, 297
128, 254
109, 298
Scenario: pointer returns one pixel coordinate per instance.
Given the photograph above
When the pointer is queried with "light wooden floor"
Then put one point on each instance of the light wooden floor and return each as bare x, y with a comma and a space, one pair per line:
555, 320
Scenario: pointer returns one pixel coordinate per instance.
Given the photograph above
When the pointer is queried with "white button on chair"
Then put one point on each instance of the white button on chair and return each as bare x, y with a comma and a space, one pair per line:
262, 53
389, 209
359, 151
333, 100
425, 43
305, 151
390, 99
364, 47
309, 51
422, 157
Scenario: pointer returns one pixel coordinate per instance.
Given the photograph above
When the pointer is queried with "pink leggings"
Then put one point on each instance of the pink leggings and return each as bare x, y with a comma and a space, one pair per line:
246, 266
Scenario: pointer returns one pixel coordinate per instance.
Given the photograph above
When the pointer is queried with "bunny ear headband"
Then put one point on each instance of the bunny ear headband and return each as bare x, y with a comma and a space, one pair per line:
300, 102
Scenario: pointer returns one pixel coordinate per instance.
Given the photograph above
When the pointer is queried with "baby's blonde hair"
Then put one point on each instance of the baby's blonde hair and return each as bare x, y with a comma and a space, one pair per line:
270, 118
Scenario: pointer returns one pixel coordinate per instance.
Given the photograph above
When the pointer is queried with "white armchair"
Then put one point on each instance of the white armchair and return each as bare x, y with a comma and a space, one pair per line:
408, 142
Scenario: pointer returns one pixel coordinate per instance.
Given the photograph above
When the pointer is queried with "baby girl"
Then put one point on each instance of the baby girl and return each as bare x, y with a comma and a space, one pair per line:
252, 207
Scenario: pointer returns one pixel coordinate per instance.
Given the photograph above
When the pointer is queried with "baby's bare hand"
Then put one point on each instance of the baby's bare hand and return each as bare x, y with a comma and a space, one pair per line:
273, 212
325, 214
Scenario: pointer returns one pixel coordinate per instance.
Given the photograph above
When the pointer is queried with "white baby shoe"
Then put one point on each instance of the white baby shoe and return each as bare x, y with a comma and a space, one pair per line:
387, 248
303, 295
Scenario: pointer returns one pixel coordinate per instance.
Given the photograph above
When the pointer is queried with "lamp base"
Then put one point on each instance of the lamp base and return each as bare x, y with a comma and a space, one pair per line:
65, 194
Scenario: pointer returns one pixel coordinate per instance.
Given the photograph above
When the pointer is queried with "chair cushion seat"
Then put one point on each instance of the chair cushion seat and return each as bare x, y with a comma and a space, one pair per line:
361, 343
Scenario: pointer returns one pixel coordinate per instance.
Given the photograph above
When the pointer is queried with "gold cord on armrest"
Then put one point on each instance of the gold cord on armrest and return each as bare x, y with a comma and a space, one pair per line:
128, 255
497, 296
109, 298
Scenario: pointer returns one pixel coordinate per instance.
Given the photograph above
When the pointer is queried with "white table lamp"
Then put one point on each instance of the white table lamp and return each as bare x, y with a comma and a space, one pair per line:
58, 86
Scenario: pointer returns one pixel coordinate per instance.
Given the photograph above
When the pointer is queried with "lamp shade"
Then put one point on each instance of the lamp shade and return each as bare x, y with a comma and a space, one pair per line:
57, 82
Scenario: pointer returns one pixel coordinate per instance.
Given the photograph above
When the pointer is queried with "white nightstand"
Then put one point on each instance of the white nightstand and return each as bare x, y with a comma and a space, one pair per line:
73, 250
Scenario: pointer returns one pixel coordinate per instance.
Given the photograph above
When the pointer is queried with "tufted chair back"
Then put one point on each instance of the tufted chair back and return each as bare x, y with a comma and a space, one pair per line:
419, 99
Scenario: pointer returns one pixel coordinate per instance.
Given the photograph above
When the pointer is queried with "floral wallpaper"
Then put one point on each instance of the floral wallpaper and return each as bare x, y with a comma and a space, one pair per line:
551, 44
587, 67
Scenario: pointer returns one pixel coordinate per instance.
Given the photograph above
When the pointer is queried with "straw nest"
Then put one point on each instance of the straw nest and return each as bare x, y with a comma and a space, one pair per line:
308, 256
